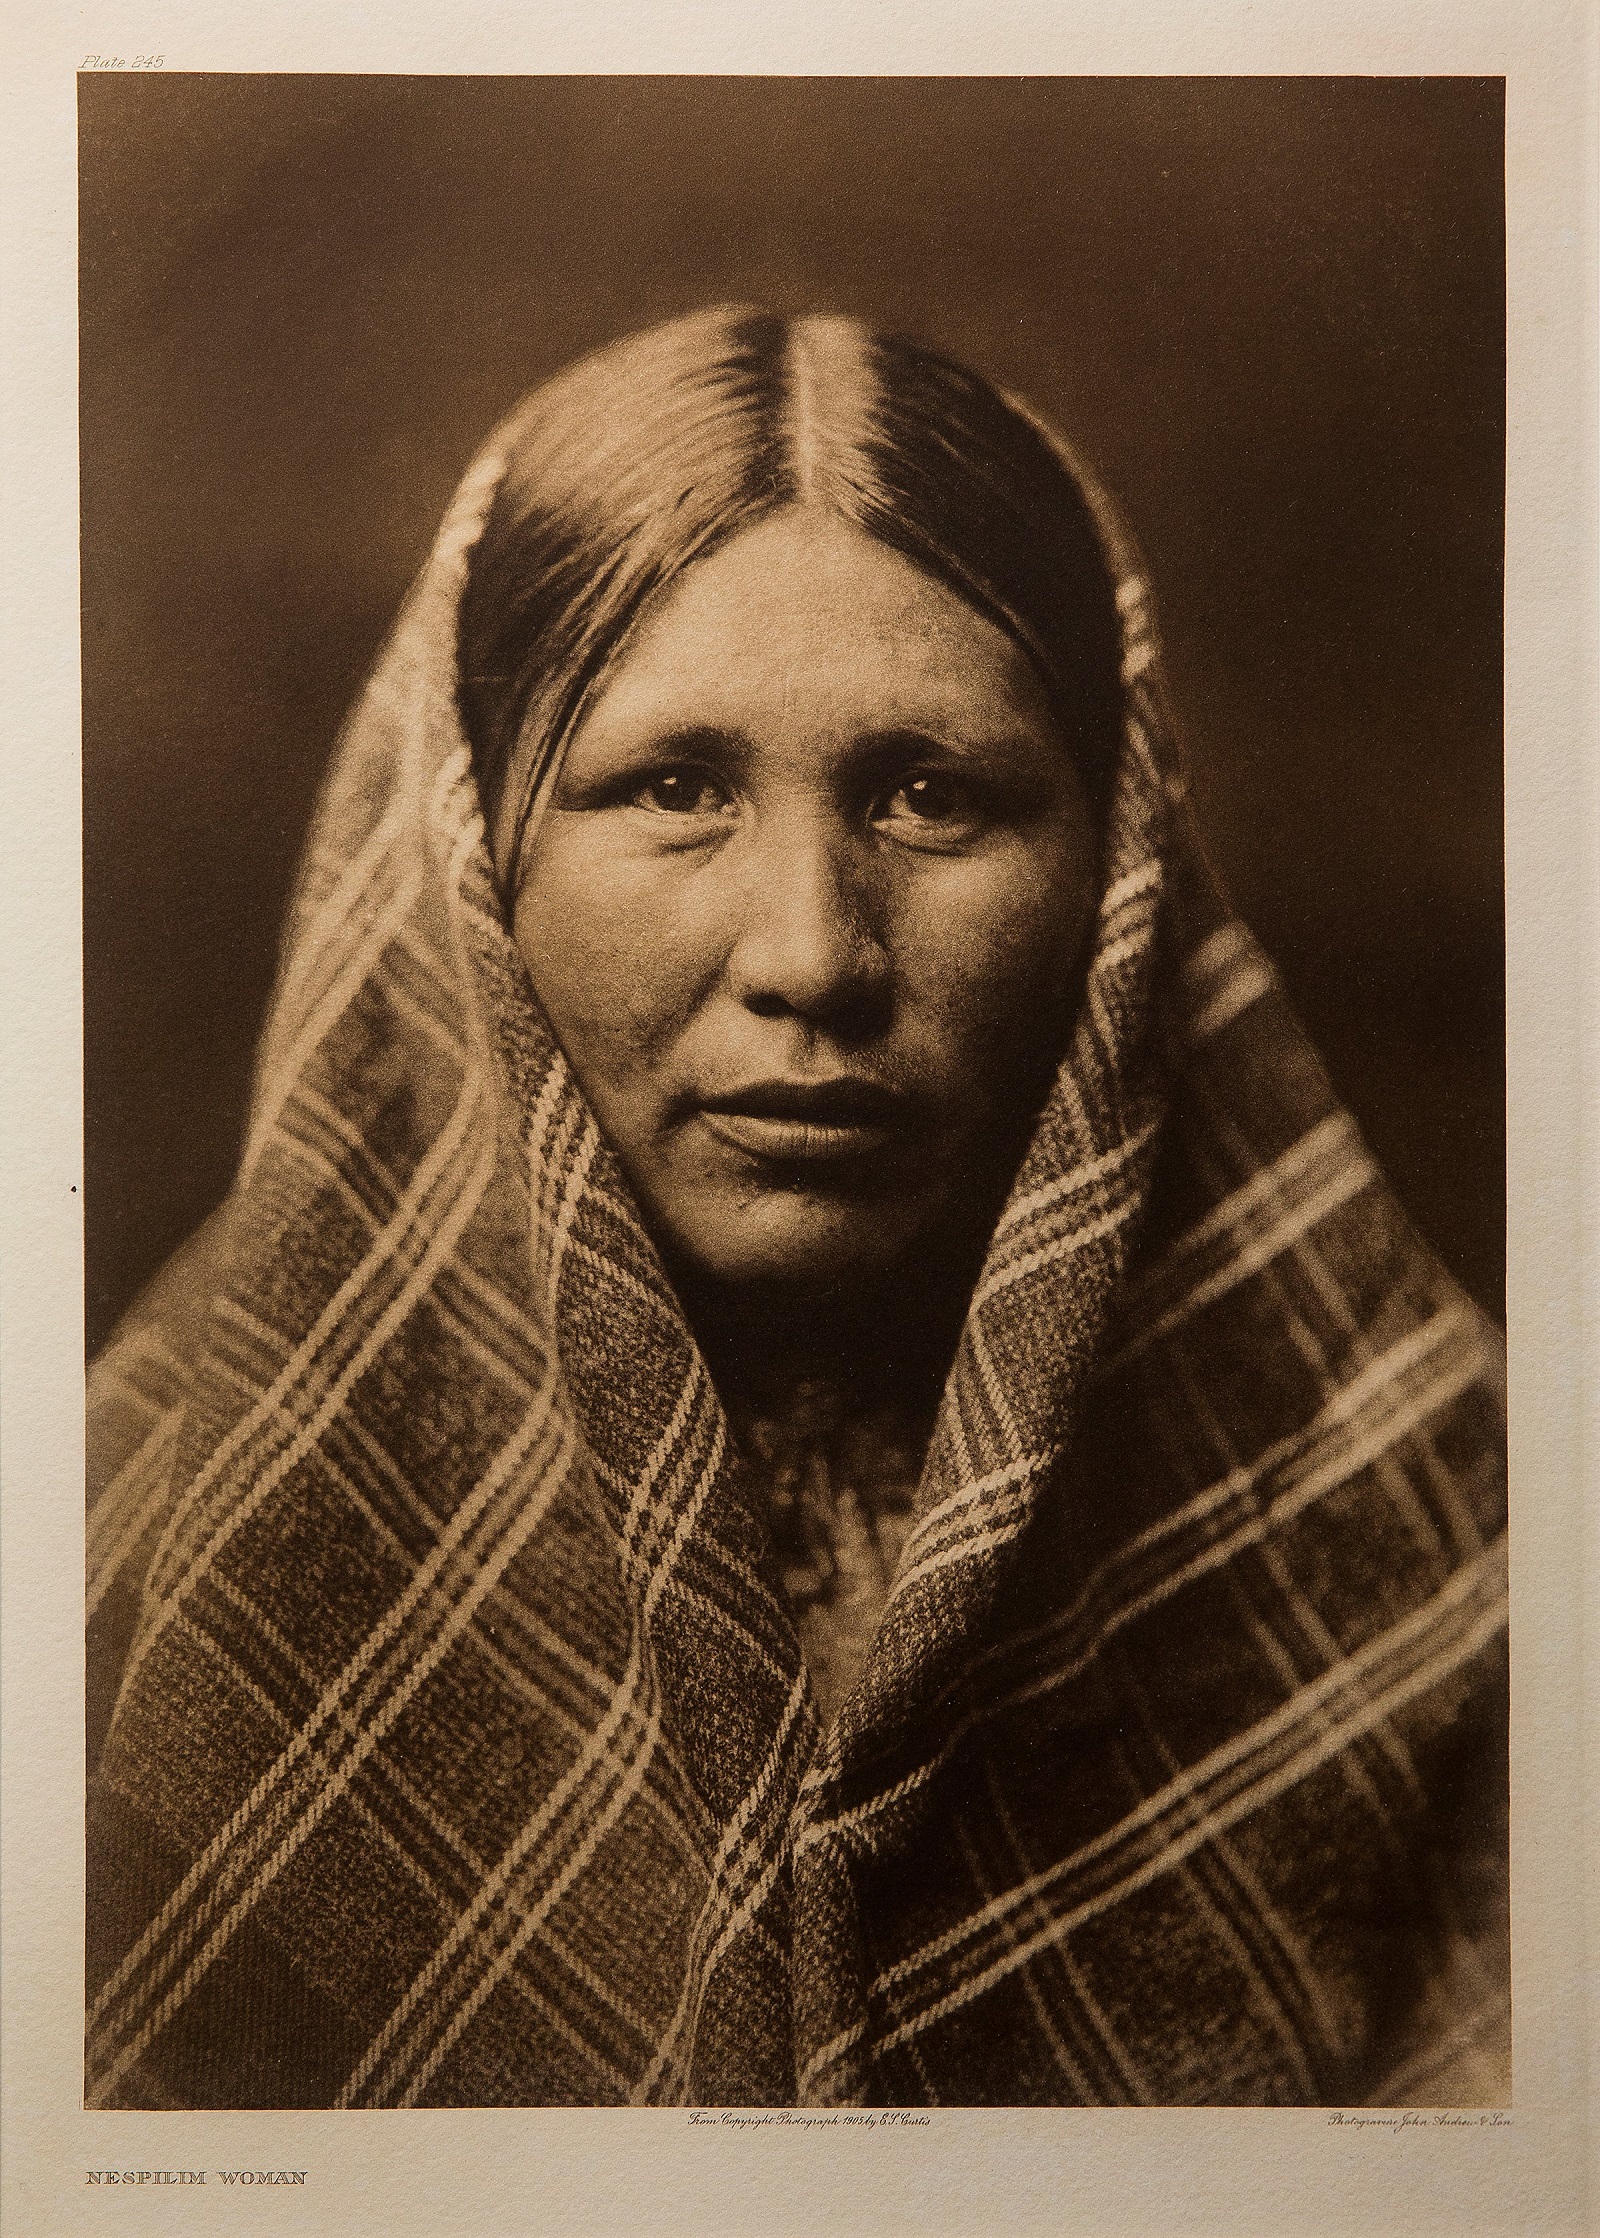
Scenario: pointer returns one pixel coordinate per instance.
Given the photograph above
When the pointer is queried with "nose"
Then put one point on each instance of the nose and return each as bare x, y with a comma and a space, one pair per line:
809, 943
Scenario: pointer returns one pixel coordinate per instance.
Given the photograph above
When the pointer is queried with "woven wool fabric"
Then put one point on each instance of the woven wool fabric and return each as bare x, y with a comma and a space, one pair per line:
460, 1747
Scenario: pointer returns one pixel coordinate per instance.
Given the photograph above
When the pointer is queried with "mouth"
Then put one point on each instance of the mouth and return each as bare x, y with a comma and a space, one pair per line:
795, 1122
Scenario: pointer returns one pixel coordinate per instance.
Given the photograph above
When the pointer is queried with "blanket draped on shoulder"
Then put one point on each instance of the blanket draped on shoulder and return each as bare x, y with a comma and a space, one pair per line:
453, 1741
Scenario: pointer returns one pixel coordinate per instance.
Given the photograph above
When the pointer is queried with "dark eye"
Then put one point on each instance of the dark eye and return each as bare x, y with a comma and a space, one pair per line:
681, 792
935, 798
929, 797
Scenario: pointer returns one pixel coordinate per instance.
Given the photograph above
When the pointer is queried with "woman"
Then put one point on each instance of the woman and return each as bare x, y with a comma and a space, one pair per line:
808, 1463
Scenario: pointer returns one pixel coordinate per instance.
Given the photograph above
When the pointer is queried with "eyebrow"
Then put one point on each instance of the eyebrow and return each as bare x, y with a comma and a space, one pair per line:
684, 741
901, 739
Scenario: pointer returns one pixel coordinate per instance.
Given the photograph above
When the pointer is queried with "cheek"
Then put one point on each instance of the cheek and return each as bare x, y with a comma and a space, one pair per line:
612, 952
992, 952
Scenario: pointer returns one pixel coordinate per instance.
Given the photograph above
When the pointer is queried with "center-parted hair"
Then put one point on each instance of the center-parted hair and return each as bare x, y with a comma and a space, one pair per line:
637, 461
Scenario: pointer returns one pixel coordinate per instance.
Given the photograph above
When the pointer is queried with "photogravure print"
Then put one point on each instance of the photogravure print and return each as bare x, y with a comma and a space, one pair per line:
808, 1462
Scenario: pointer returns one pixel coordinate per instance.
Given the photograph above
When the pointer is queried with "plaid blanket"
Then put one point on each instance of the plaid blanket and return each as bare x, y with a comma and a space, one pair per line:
458, 1746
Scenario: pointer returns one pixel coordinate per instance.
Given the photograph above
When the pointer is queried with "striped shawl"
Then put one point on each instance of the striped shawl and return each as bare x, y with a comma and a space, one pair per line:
458, 1747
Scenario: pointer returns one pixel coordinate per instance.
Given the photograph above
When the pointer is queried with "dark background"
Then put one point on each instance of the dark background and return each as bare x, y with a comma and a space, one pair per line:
1269, 311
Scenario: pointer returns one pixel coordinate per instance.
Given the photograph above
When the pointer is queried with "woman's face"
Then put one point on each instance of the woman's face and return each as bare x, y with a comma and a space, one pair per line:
804, 906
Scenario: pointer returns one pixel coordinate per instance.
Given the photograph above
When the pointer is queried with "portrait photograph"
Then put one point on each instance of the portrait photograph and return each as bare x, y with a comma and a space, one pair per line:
794, 1257
804, 1320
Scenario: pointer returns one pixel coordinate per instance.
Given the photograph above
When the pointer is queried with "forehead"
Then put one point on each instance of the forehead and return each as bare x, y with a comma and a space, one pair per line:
804, 613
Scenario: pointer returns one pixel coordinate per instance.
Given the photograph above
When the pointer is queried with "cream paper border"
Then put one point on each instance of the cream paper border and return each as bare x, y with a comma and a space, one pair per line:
493, 2174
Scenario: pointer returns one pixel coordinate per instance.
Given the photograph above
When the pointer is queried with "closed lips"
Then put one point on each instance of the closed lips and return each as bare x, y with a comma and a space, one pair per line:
805, 1120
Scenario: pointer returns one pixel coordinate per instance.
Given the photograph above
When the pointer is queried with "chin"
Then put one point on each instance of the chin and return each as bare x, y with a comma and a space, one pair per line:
788, 1239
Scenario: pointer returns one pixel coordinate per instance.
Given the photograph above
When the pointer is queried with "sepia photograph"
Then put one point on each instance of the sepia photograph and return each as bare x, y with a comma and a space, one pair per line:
794, 1038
